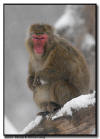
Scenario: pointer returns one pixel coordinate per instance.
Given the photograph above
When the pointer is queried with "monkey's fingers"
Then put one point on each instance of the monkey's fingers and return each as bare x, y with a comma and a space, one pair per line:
36, 82
53, 107
43, 113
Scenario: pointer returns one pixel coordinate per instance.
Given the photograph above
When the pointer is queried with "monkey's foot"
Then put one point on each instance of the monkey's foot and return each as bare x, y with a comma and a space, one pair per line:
43, 113
53, 107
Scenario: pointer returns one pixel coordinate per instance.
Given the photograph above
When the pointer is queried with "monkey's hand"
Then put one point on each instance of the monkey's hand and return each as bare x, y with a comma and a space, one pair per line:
36, 80
47, 76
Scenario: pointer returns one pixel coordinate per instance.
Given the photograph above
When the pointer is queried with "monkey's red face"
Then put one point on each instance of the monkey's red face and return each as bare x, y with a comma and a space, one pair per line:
39, 42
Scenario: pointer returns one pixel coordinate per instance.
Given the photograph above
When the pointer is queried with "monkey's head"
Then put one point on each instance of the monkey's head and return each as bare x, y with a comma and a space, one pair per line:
40, 35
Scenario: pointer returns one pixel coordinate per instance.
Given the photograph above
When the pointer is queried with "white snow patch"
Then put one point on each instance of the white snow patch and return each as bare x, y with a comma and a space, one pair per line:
70, 18
9, 127
43, 82
88, 42
94, 131
77, 103
31, 125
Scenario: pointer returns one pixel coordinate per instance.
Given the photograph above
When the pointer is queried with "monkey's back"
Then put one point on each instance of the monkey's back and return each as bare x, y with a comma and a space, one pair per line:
71, 65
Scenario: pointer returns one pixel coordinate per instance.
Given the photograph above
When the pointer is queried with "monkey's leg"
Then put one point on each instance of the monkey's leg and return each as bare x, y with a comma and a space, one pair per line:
62, 91
50, 108
53, 106
51, 98
41, 96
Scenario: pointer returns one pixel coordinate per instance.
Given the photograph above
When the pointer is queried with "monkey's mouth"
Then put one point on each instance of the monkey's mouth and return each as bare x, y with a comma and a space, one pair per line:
38, 46
39, 42
38, 49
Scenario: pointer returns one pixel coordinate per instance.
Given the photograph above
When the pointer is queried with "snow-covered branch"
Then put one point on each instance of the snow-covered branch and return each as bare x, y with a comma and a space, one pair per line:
82, 101
9, 127
31, 125
78, 113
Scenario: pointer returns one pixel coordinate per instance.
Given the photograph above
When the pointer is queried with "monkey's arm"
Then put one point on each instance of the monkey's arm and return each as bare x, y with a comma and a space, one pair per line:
53, 70
49, 75
31, 76
30, 81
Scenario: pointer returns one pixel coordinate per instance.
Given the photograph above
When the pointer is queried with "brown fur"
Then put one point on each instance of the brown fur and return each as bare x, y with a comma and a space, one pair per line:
62, 68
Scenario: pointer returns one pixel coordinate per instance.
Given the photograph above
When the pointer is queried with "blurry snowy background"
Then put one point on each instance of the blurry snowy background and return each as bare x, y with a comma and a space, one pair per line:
74, 22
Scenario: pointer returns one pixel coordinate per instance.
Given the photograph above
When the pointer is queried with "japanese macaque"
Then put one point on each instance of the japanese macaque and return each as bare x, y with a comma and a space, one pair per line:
57, 71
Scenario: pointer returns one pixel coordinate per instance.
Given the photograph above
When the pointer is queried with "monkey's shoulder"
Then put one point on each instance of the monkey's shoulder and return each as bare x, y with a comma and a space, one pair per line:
64, 47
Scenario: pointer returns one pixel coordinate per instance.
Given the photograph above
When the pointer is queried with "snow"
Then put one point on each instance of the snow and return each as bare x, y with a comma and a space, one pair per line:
72, 24
77, 103
43, 82
31, 125
65, 20
70, 18
93, 132
9, 127
88, 42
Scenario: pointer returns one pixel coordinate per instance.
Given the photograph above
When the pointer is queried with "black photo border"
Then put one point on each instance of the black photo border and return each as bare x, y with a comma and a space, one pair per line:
96, 73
